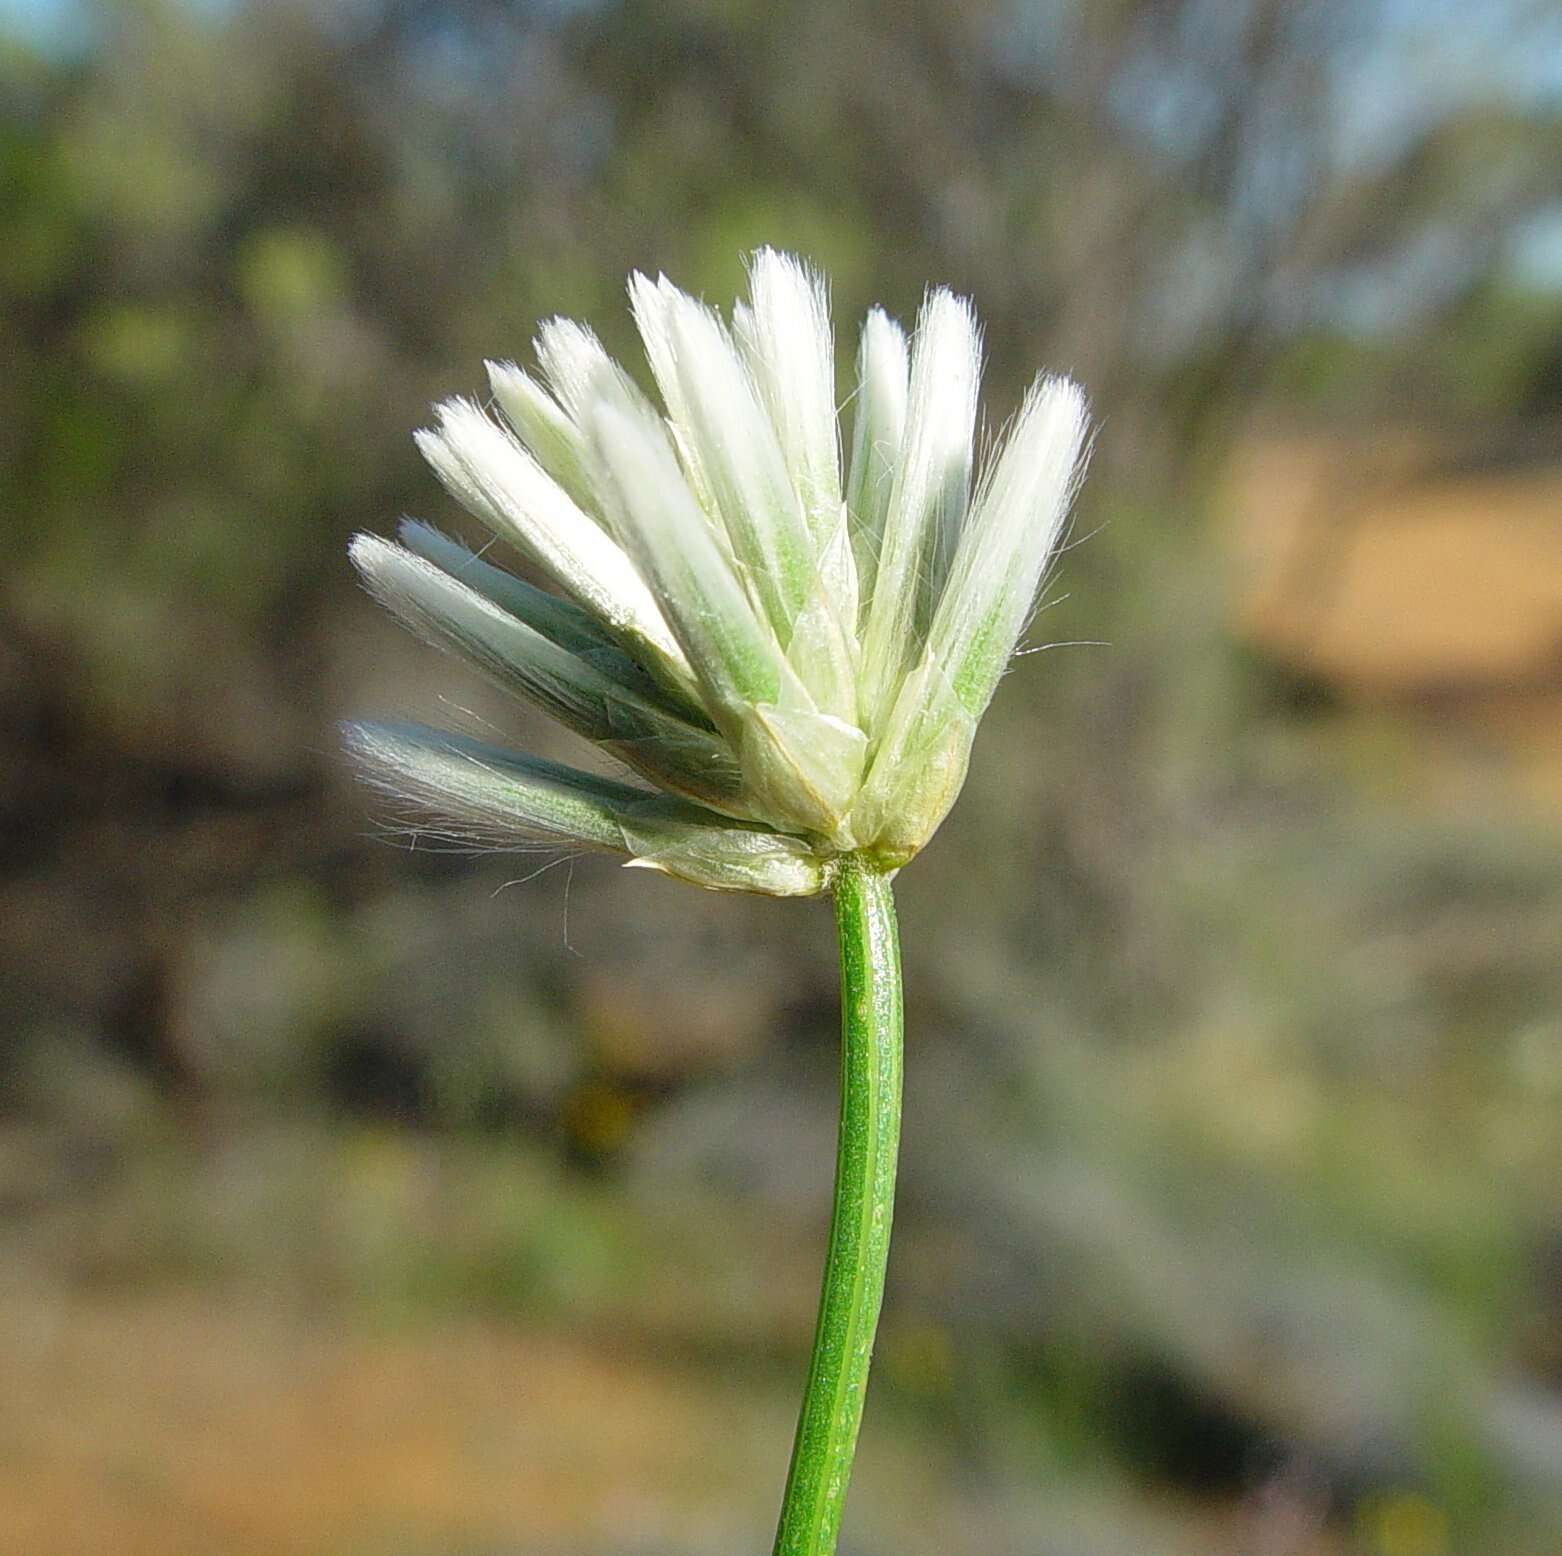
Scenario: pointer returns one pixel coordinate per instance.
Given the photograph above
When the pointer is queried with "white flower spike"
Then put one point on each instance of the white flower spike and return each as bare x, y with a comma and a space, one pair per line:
793, 655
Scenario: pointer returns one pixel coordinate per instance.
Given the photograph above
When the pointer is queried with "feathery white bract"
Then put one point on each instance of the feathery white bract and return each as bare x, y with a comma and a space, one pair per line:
794, 655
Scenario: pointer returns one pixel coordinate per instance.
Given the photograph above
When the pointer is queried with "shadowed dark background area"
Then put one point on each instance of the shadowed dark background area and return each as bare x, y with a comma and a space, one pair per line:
359, 1201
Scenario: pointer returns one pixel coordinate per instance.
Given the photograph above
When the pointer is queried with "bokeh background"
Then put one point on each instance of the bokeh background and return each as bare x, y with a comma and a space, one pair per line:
364, 1202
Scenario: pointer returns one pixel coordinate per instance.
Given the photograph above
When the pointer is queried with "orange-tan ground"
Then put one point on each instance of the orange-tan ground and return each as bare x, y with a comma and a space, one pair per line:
1387, 569
184, 1425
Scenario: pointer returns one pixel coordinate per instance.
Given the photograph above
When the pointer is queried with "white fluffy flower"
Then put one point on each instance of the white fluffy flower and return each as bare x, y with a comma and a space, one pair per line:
794, 655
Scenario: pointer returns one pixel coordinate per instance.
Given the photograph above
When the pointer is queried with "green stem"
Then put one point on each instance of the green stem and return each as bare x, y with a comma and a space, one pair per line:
860, 1225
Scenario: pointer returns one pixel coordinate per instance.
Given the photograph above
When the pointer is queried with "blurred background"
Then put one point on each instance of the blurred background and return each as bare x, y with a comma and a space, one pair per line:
364, 1202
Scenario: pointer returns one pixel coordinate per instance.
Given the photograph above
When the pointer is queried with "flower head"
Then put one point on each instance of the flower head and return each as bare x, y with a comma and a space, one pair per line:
793, 656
